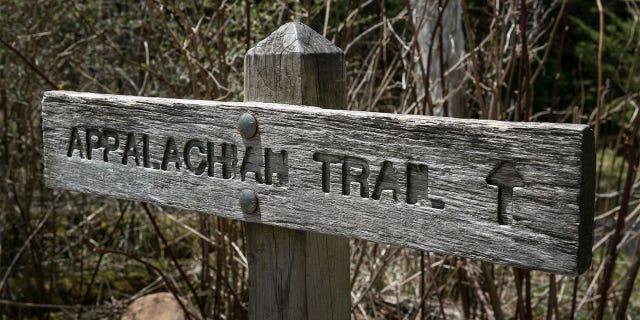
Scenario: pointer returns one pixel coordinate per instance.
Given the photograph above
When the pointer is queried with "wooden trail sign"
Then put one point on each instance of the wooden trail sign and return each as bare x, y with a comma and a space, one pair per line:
519, 194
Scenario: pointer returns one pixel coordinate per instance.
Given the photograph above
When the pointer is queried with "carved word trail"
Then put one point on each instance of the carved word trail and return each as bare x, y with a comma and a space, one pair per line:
356, 170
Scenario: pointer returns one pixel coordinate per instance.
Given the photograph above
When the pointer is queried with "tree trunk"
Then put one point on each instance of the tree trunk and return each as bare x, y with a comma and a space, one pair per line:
425, 16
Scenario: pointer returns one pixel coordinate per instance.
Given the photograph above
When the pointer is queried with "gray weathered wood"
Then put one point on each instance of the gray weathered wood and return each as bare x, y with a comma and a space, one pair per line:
296, 274
551, 217
310, 69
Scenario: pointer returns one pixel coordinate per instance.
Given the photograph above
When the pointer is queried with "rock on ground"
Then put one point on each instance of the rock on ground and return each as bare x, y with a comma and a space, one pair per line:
155, 306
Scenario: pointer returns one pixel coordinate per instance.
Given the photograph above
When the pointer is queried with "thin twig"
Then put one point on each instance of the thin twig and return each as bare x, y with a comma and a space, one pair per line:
153, 269
599, 89
31, 65
612, 252
173, 257
26, 244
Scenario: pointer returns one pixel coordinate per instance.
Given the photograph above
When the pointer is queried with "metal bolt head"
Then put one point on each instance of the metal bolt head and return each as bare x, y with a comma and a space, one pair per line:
248, 201
248, 125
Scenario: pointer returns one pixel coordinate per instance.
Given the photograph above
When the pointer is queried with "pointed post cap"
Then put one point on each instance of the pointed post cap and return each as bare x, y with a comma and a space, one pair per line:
291, 38
296, 65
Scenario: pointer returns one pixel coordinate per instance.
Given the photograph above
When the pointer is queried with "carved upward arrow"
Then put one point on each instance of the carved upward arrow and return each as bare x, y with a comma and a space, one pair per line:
506, 178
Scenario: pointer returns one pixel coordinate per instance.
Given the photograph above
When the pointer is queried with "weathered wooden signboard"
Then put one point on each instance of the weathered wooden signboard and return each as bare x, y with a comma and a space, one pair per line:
514, 193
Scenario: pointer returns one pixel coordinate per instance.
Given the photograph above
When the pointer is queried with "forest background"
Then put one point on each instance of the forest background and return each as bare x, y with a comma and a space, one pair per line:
74, 256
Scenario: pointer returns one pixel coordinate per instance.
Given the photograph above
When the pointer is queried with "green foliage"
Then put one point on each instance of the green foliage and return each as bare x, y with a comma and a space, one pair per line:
619, 48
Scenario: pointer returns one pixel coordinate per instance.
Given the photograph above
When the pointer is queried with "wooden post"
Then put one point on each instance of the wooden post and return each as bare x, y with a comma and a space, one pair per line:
296, 274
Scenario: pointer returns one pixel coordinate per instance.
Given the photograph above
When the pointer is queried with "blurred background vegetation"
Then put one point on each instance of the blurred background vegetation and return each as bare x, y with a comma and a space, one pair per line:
75, 256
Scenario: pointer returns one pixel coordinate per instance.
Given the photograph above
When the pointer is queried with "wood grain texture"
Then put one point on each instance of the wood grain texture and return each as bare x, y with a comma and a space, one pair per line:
296, 65
295, 274
552, 214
